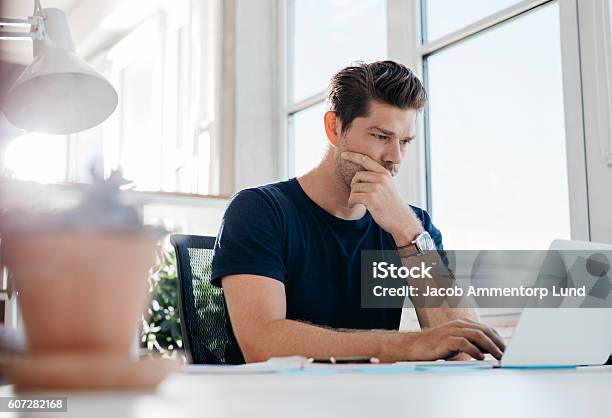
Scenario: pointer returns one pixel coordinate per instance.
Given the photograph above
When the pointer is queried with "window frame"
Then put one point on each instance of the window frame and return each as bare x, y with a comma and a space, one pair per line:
416, 54
587, 81
287, 108
595, 31
405, 45
175, 33
202, 18
572, 92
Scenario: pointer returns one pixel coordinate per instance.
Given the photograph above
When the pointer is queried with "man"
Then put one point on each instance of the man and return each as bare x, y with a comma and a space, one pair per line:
288, 253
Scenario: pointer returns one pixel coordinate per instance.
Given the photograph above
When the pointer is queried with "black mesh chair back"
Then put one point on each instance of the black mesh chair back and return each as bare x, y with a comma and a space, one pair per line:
207, 335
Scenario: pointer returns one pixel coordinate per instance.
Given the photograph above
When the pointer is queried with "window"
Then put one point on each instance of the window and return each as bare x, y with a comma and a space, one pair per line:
161, 134
330, 34
496, 135
446, 16
308, 137
37, 157
322, 37
165, 71
140, 130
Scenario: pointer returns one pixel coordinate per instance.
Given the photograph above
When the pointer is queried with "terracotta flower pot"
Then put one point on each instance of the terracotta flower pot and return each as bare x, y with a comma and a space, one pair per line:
80, 292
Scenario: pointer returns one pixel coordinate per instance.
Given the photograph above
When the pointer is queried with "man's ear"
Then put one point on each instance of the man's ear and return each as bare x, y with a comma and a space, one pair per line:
331, 127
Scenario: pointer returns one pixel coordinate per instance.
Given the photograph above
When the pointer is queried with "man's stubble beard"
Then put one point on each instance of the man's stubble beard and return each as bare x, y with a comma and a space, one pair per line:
345, 170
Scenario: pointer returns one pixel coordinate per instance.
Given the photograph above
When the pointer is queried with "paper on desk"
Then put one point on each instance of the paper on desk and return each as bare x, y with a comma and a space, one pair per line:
300, 365
442, 364
373, 368
274, 365
296, 365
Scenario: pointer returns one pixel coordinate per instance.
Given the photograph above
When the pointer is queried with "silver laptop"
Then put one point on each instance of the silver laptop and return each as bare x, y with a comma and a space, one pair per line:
564, 336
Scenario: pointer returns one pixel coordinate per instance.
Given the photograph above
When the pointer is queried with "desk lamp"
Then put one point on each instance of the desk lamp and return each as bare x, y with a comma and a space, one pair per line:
58, 93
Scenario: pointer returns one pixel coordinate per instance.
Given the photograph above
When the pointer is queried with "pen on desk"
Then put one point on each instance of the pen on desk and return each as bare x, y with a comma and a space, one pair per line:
343, 360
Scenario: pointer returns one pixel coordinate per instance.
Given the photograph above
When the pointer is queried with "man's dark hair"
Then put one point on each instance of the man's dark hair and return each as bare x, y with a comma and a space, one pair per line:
352, 88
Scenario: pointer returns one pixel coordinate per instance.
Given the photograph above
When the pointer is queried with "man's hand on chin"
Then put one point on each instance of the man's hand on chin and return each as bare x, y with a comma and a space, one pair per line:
374, 188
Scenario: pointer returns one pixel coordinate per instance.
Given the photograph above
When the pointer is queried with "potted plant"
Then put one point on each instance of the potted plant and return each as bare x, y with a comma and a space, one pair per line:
81, 280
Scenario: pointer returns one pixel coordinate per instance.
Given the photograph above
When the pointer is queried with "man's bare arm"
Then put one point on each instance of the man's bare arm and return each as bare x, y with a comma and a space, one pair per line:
432, 317
257, 310
462, 309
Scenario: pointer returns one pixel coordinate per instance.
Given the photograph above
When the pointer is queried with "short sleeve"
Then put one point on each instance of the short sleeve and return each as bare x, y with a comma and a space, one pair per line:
434, 232
428, 226
250, 239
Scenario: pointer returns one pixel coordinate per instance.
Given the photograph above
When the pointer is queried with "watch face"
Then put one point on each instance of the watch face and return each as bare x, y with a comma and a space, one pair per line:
424, 242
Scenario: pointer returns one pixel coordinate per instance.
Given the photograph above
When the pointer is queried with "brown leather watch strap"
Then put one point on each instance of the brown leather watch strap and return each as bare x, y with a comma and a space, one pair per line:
408, 250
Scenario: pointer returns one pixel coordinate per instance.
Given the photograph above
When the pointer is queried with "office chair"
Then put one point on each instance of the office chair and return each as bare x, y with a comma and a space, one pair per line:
207, 333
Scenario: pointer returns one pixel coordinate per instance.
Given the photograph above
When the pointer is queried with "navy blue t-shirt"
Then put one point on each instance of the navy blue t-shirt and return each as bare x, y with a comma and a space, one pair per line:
277, 231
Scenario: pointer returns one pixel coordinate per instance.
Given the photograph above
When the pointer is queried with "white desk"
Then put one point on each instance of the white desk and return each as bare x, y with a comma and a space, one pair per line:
483, 393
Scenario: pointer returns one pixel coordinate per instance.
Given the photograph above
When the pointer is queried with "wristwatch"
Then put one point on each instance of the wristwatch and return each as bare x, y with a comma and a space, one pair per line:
421, 245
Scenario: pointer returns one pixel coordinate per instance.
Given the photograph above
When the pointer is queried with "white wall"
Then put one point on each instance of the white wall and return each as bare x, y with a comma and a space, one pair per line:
255, 136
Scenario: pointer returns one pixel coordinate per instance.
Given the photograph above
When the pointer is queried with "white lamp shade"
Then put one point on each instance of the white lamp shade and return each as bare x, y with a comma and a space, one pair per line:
59, 93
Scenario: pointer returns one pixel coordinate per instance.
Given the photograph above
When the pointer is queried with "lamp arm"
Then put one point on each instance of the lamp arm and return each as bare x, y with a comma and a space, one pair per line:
7, 21
37, 8
36, 22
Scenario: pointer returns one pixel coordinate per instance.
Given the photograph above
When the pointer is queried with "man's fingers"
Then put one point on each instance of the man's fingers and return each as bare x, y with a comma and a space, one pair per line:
481, 340
364, 187
356, 198
463, 345
499, 337
365, 177
494, 331
490, 332
365, 161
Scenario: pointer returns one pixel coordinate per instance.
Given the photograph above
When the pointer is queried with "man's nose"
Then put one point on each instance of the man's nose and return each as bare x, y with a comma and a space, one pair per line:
393, 153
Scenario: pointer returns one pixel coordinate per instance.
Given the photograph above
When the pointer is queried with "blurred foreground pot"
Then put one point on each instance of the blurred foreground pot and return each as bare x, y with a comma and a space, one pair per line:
80, 291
